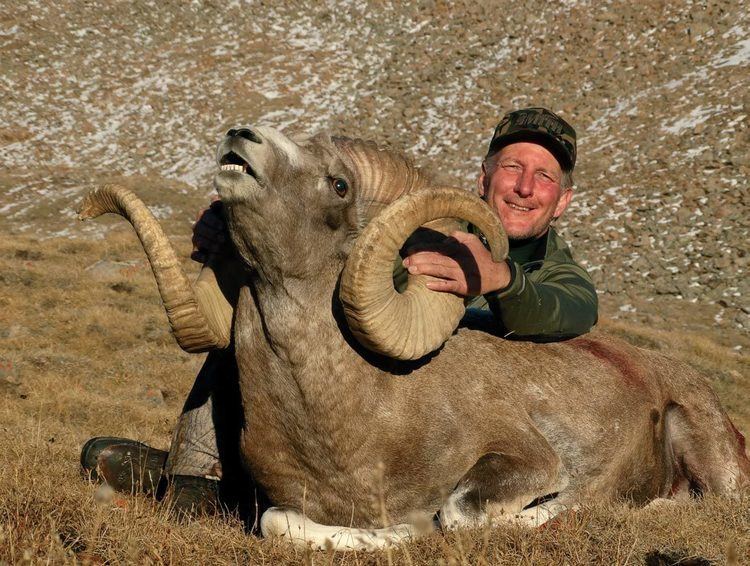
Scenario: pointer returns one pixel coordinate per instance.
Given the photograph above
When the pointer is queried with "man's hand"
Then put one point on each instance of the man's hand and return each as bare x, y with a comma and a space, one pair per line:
461, 265
209, 232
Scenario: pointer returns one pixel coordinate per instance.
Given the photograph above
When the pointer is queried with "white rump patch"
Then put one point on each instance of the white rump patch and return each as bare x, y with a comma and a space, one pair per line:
290, 149
301, 531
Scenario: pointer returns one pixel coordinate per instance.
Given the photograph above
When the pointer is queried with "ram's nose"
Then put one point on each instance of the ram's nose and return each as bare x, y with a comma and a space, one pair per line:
246, 133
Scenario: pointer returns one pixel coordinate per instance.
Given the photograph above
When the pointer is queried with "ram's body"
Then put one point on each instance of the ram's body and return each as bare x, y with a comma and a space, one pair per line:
326, 426
478, 426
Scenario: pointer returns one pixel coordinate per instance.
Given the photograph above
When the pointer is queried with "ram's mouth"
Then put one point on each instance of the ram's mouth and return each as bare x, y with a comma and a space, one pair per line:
233, 162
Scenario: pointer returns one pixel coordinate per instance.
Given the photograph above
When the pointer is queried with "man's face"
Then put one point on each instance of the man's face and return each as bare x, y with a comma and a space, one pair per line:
524, 189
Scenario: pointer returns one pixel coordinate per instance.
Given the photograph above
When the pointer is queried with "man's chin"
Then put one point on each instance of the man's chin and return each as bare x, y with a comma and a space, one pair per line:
527, 233
515, 232
524, 229
518, 228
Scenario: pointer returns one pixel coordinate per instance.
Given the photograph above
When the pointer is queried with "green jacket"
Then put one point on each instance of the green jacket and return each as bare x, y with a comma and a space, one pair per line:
550, 297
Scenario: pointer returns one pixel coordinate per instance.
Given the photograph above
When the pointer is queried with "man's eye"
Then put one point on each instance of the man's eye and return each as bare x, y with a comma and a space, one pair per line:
512, 167
340, 186
546, 177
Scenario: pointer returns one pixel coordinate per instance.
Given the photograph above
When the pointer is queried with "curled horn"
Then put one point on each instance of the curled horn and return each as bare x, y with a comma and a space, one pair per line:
411, 324
382, 175
200, 317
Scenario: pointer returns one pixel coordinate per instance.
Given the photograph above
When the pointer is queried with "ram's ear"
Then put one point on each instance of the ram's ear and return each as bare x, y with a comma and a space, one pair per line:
322, 138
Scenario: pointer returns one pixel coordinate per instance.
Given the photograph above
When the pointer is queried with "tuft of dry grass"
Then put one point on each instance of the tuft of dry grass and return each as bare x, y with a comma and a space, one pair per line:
80, 353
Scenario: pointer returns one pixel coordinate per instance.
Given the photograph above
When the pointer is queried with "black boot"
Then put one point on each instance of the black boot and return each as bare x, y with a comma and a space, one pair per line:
125, 465
192, 496
133, 467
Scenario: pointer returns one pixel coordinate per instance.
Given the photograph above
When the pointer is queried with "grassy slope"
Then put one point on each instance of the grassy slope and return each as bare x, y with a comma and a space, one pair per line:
81, 356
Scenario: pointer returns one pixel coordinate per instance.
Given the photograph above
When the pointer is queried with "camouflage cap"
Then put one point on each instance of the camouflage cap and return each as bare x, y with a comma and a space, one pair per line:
541, 126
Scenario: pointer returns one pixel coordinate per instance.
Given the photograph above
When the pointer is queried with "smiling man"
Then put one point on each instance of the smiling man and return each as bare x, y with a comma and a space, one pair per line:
539, 293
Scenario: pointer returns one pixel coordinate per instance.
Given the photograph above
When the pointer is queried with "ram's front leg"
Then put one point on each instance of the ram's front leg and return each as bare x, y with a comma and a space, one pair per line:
519, 481
302, 531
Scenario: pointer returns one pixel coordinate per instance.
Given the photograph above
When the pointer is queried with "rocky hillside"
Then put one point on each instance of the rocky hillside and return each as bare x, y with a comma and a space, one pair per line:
659, 92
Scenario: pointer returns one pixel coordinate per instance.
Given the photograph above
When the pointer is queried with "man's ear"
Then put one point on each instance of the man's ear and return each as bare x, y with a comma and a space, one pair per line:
563, 203
482, 182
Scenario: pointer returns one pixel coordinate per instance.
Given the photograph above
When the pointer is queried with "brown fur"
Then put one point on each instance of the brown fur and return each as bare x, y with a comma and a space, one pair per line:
334, 434
614, 356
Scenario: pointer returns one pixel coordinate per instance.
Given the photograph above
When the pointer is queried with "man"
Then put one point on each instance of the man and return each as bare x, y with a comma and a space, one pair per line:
539, 293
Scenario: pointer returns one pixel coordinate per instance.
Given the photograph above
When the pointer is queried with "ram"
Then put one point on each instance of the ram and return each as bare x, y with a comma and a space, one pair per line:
366, 406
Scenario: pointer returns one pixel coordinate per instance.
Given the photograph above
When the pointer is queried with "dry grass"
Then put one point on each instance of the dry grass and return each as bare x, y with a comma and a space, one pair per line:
80, 355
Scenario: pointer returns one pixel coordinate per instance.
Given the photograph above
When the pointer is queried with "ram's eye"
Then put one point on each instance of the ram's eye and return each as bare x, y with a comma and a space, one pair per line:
340, 186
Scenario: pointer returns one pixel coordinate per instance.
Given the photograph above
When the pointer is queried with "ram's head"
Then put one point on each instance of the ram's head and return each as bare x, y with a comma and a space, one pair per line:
319, 207
290, 205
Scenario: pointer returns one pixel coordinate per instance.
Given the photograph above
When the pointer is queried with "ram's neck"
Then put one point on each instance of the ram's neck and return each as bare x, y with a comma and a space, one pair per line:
296, 349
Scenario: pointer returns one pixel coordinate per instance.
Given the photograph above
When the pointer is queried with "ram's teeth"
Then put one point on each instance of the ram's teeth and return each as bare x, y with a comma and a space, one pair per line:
232, 167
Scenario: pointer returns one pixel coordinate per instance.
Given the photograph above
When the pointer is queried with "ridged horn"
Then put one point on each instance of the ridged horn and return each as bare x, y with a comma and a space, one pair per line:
414, 323
200, 319
382, 175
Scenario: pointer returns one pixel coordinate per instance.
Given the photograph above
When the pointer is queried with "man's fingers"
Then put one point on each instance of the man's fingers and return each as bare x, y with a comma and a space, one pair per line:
456, 264
426, 258
440, 284
444, 270
444, 286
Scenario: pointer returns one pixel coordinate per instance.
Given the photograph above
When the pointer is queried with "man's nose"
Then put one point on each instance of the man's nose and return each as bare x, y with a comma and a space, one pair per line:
525, 184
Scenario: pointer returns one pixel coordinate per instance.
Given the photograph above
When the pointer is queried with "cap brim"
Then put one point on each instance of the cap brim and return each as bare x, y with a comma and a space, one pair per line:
551, 143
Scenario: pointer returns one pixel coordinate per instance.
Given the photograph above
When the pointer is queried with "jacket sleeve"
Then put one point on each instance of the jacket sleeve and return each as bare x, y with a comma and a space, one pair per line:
554, 302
